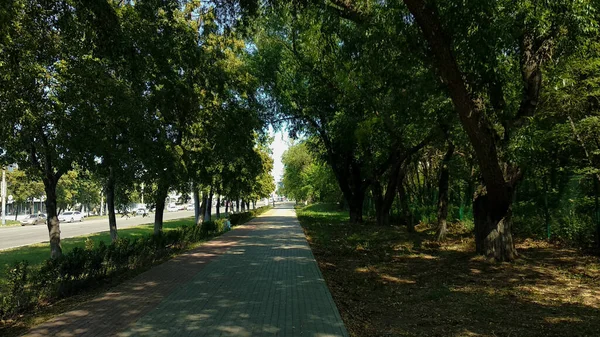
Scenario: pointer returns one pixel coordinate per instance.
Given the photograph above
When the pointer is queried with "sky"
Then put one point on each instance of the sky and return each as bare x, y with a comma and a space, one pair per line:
279, 145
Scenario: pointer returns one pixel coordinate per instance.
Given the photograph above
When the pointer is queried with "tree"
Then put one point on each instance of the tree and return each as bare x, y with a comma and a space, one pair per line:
36, 131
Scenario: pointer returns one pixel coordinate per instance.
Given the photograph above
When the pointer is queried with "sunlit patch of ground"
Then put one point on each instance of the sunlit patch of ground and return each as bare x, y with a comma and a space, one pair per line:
387, 282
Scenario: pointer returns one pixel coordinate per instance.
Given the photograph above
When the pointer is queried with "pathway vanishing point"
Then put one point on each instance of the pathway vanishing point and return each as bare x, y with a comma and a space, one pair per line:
260, 279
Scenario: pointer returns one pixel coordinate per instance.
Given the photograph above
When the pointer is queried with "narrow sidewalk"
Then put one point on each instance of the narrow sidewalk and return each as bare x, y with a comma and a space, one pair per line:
260, 279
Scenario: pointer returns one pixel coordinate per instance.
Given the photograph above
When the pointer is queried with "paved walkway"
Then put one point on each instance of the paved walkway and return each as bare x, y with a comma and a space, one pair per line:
260, 279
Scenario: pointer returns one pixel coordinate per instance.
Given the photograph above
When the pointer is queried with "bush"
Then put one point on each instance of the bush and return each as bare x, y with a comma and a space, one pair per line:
240, 218
218, 225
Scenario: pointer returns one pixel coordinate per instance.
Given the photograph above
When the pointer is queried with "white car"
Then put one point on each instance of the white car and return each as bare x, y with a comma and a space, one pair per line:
172, 208
141, 211
70, 216
190, 207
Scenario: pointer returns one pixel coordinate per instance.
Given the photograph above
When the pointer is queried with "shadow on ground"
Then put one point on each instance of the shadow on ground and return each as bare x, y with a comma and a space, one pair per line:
258, 280
387, 282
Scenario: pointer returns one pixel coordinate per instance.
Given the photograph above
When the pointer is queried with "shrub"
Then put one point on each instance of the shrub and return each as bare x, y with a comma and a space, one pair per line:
240, 218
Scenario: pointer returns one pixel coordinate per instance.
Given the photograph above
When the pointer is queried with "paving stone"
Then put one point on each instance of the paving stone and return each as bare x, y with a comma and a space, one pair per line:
260, 279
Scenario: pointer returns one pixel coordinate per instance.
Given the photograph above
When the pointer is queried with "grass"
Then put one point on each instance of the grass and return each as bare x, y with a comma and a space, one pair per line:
38, 253
10, 223
388, 282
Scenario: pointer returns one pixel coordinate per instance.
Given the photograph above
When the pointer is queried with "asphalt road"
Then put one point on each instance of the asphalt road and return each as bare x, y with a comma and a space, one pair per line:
11, 237
17, 236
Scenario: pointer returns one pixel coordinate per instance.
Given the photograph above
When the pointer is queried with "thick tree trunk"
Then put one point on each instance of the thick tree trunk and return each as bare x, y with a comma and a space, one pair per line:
237, 206
493, 236
442, 206
110, 201
197, 208
161, 196
356, 208
50, 182
243, 206
381, 212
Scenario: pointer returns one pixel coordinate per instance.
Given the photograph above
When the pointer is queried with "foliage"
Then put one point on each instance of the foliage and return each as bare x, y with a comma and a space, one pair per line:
242, 217
306, 178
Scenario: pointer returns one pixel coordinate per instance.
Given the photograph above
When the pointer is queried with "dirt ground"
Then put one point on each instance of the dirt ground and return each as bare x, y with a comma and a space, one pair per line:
388, 282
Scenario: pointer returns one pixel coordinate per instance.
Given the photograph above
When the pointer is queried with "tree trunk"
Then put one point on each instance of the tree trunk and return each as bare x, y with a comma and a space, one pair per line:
493, 236
407, 216
442, 213
243, 206
237, 206
110, 201
383, 217
197, 208
218, 206
50, 182
227, 207
356, 208
208, 209
161, 196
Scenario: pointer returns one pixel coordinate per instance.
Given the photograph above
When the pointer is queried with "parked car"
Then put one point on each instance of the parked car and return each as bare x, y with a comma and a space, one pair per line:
172, 208
190, 207
34, 219
141, 211
70, 216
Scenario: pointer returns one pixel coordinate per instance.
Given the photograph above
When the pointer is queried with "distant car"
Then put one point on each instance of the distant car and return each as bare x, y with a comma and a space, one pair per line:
70, 216
34, 219
172, 208
141, 211
181, 207
190, 207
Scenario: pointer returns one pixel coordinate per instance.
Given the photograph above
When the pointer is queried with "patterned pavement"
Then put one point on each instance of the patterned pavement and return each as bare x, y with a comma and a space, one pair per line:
259, 279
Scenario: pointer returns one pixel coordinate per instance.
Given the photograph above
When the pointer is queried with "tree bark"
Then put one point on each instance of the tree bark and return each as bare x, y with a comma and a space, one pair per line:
207, 211
218, 206
442, 213
382, 216
355, 206
161, 196
197, 209
227, 202
493, 236
237, 205
407, 216
110, 201
50, 182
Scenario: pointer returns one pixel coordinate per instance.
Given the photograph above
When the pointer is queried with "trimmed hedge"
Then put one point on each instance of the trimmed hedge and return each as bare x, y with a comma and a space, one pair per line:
240, 218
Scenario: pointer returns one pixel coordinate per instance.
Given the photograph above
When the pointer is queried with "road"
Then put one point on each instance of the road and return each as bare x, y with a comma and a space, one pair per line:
11, 237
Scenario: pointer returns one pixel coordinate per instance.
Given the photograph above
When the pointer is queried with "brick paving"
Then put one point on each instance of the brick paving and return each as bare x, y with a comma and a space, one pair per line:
260, 279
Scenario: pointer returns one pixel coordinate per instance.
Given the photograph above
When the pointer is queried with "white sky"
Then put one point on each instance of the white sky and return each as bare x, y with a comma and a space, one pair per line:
279, 145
